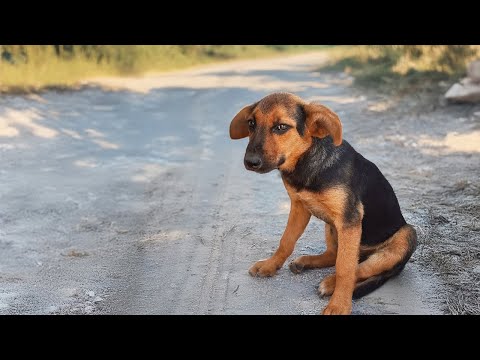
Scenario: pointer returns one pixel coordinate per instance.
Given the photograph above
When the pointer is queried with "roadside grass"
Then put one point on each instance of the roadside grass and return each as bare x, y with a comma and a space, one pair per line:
33, 67
401, 69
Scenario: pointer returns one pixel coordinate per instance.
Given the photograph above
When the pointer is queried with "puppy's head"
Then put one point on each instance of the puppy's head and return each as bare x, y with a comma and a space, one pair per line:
280, 128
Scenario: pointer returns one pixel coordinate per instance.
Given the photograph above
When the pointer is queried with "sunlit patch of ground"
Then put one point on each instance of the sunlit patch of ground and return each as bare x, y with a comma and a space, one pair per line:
453, 142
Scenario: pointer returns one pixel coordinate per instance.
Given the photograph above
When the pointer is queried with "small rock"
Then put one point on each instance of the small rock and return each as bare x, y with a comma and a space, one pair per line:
88, 309
97, 299
473, 71
70, 292
75, 253
467, 91
52, 309
90, 293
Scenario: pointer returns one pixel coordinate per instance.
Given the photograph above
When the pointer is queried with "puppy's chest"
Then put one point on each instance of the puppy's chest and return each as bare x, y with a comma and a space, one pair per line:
327, 205
318, 205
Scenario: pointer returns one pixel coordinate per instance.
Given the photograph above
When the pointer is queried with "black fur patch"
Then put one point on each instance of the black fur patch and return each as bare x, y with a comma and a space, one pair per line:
324, 165
320, 166
300, 117
255, 145
382, 215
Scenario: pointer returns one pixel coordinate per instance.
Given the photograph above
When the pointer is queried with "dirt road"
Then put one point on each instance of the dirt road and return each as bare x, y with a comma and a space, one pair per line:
133, 199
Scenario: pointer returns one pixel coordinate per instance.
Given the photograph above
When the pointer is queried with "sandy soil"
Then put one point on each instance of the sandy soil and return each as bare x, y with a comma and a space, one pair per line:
128, 197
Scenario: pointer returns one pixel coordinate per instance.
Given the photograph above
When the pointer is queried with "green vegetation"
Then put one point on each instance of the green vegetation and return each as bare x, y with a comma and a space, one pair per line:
31, 67
401, 68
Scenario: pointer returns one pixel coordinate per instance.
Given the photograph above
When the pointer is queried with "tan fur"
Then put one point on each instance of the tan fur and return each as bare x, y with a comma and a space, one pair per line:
381, 258
326, 259
297, 222
345, 266
331, 238
290, 145
321, 121
293, 148
387, 255
327, 205
330, 205
239, 124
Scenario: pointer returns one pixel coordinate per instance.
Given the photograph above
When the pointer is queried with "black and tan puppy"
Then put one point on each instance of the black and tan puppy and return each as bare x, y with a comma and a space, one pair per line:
367, 237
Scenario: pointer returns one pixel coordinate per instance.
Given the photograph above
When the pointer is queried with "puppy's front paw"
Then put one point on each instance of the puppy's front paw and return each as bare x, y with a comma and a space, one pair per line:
338, 308
264, 268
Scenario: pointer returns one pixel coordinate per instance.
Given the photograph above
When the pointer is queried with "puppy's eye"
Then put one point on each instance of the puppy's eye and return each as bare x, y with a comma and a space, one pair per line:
251, 123
280, 128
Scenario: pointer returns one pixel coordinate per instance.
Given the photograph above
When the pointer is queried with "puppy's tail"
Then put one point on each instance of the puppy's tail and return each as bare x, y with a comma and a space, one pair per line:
400, 246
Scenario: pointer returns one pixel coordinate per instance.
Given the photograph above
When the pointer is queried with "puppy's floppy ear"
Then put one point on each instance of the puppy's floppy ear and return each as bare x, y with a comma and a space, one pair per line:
239, 124
321, 122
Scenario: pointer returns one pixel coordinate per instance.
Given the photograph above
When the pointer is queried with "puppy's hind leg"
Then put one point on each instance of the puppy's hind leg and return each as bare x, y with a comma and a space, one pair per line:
326, 259
388, 261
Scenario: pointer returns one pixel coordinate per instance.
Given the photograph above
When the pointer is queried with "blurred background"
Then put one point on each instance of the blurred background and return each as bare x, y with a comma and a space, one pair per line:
25, 67
34, 66
121, 191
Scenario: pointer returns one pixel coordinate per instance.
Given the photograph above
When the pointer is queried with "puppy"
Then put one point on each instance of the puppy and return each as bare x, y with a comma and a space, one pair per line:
367, 238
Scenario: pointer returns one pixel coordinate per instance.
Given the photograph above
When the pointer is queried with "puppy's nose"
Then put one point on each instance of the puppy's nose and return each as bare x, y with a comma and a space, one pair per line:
253, 161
